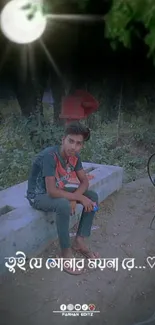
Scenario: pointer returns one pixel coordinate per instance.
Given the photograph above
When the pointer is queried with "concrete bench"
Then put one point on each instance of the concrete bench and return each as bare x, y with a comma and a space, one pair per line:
24, 229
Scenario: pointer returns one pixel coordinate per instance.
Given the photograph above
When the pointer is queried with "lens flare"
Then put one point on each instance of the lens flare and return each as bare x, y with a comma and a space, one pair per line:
21, 23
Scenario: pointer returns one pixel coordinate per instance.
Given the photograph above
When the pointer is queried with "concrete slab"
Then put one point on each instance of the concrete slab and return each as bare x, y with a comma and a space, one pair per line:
24, 229
14, 196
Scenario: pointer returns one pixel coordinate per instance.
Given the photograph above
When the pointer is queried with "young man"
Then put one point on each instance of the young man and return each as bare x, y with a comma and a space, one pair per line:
52, 170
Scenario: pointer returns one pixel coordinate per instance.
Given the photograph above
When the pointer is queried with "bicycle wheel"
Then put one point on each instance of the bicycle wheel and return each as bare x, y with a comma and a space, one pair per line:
151, 168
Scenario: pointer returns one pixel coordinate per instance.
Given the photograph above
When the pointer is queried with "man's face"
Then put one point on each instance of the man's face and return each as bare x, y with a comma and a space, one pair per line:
72, 144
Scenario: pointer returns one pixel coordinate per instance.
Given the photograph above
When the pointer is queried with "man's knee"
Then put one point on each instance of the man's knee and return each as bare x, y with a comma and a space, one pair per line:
64, 206
92, 195
45, 203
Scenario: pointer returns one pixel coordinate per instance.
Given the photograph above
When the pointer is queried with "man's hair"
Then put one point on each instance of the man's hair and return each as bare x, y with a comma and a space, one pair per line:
77, 129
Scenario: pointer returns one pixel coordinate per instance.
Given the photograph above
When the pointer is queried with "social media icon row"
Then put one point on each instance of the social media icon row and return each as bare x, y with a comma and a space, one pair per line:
77, 307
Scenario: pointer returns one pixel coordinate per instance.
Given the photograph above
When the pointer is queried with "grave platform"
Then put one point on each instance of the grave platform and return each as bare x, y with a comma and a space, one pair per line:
24, 229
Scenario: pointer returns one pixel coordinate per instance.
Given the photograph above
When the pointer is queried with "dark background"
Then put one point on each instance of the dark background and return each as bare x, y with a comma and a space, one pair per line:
84, 56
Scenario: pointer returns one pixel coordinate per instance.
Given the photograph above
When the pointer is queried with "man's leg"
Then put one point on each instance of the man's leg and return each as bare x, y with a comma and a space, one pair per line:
84, 229
87, 218
62, 208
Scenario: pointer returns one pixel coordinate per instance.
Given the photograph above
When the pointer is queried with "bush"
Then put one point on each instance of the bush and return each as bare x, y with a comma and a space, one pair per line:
17, 150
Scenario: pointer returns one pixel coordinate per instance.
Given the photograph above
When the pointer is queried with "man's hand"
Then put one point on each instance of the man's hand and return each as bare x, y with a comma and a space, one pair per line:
73, 207
87, 203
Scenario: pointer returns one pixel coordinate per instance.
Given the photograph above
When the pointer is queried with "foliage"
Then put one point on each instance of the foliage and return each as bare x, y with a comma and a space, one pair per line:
41, 132
124, 20
17, 151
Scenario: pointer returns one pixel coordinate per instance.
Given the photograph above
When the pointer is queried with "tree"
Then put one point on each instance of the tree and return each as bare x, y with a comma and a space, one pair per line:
130, 19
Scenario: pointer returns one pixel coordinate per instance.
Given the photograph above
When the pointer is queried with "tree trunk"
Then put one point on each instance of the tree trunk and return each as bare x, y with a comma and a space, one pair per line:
58, 92
27, 98
28, 73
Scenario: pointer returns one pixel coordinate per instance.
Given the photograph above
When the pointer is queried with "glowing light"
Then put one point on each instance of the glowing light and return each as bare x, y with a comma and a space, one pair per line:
20, 25
74, 18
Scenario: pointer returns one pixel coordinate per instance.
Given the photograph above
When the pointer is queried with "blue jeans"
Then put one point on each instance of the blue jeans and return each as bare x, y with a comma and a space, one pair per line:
62, 208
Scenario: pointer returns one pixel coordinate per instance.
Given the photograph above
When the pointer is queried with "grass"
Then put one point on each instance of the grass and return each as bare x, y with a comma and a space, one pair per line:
129, 148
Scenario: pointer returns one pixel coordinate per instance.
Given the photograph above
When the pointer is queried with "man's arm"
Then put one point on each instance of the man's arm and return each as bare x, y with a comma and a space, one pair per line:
55, 192
75, 196
84, 183
81, 175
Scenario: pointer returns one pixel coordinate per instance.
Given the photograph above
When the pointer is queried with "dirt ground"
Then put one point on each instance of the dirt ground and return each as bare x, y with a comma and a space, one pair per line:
123, 297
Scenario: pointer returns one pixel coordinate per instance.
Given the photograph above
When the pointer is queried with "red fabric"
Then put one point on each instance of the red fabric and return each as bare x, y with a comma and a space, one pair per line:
70, 176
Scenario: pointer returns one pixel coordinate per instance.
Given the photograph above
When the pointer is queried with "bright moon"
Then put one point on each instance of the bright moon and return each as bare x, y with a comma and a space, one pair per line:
17, 27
